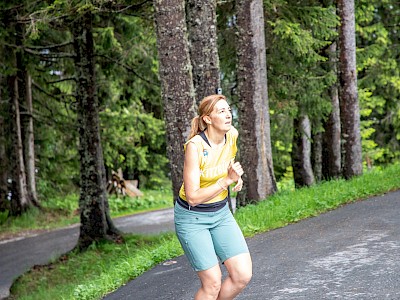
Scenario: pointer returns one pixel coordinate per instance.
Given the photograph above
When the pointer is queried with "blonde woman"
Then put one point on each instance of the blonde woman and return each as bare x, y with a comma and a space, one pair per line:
204, 224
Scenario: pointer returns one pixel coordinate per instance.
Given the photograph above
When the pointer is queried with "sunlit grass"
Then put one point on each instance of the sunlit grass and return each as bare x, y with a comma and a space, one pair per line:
105, 267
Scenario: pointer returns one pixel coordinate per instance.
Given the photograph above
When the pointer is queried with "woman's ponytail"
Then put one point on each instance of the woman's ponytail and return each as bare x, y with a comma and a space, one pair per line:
194, 127
198, 125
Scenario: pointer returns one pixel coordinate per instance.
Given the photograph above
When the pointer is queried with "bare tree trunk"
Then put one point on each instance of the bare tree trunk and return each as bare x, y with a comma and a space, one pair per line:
25, 92
331, 140
317, 155
112, 230
92, 202
349, 106
176, 81
201, 20
20, 201
301, 152
255, 138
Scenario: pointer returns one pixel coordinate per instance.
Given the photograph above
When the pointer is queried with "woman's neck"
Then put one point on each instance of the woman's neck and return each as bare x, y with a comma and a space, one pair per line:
215, 138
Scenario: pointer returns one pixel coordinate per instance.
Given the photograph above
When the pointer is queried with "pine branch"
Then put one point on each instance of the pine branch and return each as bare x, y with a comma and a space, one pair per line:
129, 68
49, 47
49, 119
121, 8
60, 99
51, 55
61, 80
12, 8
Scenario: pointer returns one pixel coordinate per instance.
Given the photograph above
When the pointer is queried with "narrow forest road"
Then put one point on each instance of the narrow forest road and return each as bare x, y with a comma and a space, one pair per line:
351, 253
20, 254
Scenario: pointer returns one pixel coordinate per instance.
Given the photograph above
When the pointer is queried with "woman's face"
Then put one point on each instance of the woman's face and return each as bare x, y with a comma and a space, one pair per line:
221, 116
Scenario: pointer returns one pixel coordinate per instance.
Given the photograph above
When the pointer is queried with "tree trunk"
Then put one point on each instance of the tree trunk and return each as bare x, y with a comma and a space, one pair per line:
301, 152
255, 138
25, 93
176, 81
331, 140
317, 156
349, 106
202, 33
93, 202
20, 201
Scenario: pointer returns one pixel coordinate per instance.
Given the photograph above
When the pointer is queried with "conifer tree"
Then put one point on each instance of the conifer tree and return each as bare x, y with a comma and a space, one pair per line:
176, 81
349, 105
254, 129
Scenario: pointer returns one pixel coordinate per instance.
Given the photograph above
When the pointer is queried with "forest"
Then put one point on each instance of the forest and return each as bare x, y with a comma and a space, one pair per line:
90, 87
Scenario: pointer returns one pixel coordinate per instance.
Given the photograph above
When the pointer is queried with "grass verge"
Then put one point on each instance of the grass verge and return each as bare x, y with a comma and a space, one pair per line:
106, 266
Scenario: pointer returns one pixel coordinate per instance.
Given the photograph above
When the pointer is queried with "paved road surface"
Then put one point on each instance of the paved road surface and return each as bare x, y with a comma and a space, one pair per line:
349, 253
19, 255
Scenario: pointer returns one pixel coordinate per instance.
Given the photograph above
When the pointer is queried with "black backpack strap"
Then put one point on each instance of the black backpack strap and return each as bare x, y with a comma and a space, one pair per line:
203, 135
230, 200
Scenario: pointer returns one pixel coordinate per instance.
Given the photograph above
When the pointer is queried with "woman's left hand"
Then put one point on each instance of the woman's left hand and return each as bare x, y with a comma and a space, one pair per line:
238, 186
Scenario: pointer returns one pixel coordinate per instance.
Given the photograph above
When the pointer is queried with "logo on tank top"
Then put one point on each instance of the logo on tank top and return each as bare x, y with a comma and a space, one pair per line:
205, 153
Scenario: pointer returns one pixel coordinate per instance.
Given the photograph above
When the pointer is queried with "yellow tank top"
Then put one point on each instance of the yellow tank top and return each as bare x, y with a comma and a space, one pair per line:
213, 162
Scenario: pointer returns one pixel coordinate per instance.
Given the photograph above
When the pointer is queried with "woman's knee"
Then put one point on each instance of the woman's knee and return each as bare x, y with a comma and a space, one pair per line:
242, 277
213, 286
240, 269
211, 280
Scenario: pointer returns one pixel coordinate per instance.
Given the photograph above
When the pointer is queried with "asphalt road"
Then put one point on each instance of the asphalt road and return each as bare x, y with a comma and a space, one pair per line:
20, 254
352, 252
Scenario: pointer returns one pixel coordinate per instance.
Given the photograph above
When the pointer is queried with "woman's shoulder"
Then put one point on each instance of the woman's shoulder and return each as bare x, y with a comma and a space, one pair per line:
196, 140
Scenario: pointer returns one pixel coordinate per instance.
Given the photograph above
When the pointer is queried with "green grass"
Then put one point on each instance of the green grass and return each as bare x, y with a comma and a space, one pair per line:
105, 267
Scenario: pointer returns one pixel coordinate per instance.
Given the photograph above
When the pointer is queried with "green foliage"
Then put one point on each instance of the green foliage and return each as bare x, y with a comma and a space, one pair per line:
56, 212
151, 199
133, 131
68, 203
302, 43
132, 125
378, 78
369, 103
133, 142
298, 76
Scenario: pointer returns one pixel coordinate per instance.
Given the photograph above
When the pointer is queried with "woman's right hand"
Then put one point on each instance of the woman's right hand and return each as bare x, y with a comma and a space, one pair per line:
235, 171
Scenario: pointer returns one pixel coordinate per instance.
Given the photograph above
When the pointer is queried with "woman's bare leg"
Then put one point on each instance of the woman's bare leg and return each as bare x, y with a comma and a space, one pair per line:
240, 272
210, 283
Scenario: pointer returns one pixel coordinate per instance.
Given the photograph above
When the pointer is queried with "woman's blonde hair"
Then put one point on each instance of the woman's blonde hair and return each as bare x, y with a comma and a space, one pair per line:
206, 107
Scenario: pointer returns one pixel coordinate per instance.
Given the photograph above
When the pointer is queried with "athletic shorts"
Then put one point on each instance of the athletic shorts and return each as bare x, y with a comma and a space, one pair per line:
208, 236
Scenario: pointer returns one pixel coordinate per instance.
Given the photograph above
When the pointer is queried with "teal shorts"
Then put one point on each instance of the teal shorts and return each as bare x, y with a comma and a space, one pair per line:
208, 236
